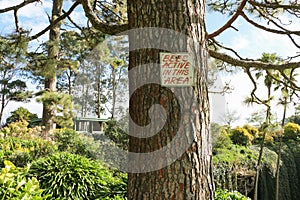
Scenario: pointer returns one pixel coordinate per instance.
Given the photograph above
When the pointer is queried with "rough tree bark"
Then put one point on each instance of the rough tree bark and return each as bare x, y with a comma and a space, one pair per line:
190, 176
51, 76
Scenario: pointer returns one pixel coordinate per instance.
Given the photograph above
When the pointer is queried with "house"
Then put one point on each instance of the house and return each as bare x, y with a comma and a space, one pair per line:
89, 125
82, 124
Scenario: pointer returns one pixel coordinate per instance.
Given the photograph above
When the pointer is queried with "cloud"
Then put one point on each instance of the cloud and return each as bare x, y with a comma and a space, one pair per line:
9, 3
240, 43
36, 10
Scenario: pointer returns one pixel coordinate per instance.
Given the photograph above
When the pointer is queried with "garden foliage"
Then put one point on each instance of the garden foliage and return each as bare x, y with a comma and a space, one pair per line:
15, 185
70, 176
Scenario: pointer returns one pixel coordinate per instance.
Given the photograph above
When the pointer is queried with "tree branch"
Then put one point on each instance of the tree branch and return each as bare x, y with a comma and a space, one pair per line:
276, 5
229, 23
17, 21
66, 14
283, 32
288, 79
17, 7
105, 28
254, 98
252, 64
72, 21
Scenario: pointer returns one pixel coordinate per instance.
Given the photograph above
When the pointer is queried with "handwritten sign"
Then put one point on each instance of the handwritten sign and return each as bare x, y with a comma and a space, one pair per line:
177, 69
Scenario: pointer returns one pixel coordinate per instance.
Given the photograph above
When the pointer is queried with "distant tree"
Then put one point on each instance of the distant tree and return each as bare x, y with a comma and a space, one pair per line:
11, 61
295, 118
257, 118
229, 117
74, 47
102, 78
268, 82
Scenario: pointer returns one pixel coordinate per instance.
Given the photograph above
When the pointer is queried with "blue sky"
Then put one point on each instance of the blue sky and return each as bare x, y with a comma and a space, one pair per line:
248, 41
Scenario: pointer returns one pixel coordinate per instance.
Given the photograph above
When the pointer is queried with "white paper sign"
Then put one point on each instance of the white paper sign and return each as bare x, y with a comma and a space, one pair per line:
177, 69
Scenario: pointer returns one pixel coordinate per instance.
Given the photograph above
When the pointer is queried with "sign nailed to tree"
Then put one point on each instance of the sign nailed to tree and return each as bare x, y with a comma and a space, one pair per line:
177, 69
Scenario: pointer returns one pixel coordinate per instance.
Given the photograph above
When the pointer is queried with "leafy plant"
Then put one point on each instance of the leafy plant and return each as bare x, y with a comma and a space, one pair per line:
227, 195
20, 129
291, 131
223, 140
241, 136
23, 151
15, 185
252, 130
117, 134
71, 176
73, 142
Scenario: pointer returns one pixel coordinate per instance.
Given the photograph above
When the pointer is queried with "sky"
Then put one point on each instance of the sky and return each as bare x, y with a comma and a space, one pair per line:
248, 41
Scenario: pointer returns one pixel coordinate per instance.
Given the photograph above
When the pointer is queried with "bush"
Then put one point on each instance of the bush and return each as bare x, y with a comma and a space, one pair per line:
15, 185
269, 139
241, 136
117, 134
223, 140
22, 151
291, 131
20, 129
70, 176
226, 195
73, 142
252, 130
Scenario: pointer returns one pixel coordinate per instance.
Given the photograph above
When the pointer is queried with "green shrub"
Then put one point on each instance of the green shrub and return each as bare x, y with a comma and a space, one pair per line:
73, 142
223, 140
234, 155
291, 131
226, 195
241, 136
252, 130
71, 176
20, 129
15, 185
117, 134
23, 151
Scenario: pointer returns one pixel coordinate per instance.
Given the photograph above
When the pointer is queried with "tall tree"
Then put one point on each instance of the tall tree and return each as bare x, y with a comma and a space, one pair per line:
11, 64
190, 176
51, 67
268, 82
183, 17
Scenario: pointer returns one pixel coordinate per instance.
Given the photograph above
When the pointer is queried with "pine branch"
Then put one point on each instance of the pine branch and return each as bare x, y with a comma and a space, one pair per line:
62, 17
252, 64
103, 27
17, 7
276, 5
229, 23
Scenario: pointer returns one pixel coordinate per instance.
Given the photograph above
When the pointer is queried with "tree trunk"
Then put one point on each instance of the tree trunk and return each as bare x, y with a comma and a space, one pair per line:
277, 174
99, 95
3, 99
190, 175
2, 108
261, 151
114, 91
50, 71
